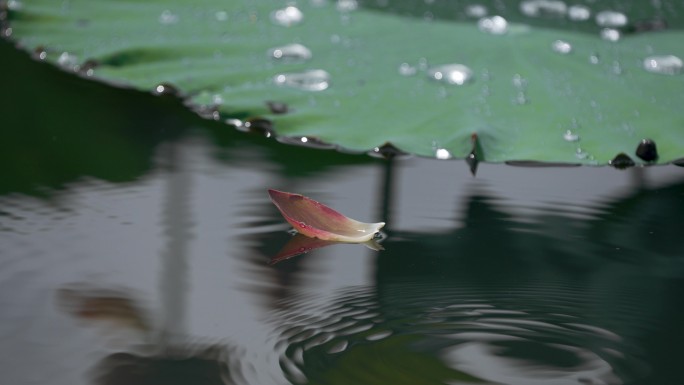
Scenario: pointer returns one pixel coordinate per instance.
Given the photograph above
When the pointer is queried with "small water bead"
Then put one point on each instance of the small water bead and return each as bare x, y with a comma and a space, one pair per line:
167, 17
665, 65
290, 52
40, 53
287, 16
405, 69
562, 47
457, 74
611, 19
476, 11
610, 34
594, 58
569, 136
579, 13
536, 8
311, 80
495, 25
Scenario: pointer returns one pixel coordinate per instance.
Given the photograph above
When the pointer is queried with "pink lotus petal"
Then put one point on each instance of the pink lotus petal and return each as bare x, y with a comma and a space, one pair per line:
317, 220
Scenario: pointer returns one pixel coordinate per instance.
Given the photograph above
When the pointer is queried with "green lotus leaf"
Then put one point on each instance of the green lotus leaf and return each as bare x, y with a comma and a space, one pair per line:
359, 77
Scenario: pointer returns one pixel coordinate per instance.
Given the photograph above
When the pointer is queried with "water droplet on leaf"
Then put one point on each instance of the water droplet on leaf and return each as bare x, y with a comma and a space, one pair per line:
405, 69
621, 161
67, 60
570, 136
666, 65
610, 34
495, 25
40, 53
388, 151
442, 153
647, 150
257, 126
287, 16
562, 47
537, 8
166, 89
311, 80
451, 74
290, 52
611, 19
579, 13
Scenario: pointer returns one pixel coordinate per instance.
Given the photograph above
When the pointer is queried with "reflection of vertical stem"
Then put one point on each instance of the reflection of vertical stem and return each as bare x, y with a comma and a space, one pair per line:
387, 188
176, 224
638, 175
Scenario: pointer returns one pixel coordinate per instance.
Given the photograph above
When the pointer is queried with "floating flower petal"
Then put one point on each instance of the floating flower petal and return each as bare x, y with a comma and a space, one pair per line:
317, 220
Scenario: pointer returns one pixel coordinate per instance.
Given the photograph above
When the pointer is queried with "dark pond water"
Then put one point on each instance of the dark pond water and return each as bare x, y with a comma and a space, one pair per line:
135, 242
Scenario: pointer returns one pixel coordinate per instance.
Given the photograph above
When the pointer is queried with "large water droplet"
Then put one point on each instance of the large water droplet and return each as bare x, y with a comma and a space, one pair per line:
476, 11
647, 150
496, 25
311, 80
579, 13
562, 47
610, 34
287, 16
451, 74
167, 17
666, 65
536, 8
443, 153
290, 52
611, 19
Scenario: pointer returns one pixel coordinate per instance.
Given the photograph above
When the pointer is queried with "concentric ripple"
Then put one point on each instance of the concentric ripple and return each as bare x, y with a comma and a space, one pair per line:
404, 333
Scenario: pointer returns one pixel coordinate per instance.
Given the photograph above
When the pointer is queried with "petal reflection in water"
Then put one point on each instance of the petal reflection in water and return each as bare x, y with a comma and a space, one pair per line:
300, 244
